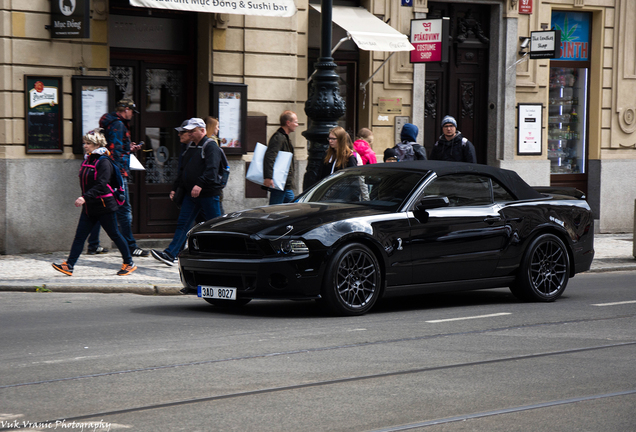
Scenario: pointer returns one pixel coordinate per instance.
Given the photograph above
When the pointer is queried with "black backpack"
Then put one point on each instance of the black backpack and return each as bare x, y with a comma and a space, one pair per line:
224, 169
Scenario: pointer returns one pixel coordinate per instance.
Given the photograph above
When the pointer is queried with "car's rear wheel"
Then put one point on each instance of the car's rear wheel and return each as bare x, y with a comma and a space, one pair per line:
352, 285
228, 303
544, 271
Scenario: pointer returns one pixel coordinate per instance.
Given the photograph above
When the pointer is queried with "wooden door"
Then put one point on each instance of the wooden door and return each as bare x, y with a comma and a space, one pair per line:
163, 94
460, 87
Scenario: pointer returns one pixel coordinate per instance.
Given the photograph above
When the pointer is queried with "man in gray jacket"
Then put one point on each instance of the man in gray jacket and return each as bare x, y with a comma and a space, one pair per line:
280, 142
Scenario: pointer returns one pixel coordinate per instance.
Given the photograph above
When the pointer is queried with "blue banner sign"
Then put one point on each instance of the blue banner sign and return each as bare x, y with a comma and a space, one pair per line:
575, 34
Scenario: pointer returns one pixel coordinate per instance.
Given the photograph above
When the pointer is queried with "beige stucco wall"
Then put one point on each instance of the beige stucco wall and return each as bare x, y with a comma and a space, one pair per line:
36, 209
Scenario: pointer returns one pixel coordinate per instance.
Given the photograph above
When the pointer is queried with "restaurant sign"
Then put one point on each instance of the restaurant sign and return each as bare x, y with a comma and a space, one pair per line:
274, 8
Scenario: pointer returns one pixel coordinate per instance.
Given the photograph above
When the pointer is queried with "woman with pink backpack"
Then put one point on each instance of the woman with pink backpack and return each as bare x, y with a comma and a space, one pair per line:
98, 202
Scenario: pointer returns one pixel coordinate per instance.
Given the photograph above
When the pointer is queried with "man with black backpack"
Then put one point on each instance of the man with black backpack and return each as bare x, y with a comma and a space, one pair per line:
203, 175
451, 145
408, 148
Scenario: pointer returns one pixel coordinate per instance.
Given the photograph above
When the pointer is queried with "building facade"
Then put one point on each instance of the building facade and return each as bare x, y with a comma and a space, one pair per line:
169, 61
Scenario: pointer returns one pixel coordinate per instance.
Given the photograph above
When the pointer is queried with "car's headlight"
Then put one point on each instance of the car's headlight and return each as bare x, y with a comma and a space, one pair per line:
287, 246
193, 228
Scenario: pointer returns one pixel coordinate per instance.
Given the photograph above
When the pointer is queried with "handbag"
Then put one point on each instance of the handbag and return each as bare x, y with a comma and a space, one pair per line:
281, 167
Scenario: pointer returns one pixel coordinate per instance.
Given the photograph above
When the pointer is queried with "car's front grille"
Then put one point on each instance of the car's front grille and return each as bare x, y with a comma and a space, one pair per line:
226, 245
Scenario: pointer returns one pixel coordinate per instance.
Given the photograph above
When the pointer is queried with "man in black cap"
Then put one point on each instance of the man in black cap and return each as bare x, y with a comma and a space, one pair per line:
451, 145
117, 132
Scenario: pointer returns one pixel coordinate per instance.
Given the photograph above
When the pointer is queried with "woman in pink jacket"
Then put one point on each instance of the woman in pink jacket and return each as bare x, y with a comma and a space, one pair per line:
362, 146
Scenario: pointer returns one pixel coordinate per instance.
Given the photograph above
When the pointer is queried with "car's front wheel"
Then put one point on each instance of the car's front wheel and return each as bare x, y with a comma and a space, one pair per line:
352, 285
544, 271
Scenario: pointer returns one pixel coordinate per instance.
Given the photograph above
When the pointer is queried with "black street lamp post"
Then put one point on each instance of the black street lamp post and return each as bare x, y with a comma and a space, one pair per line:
324, 106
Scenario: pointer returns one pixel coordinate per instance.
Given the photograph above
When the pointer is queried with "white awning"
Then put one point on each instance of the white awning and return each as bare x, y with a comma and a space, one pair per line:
273, 8
368, 31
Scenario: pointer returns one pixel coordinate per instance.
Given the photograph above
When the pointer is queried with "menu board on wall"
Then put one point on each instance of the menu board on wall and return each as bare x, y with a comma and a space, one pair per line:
230, 118
228, 103
93, 96
43, 114
530, 129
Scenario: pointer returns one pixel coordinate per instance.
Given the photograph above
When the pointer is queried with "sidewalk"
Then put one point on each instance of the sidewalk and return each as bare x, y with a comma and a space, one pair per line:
97, 273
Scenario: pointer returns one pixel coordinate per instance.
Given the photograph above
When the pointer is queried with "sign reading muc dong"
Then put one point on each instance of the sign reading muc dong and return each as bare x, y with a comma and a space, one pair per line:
274, 8
70, 19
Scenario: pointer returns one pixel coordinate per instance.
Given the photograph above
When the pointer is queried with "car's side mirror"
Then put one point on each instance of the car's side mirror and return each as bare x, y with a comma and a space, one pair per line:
428, 203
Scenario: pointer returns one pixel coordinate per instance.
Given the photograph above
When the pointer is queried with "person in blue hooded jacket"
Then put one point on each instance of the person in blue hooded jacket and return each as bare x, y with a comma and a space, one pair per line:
408, 148
117, 132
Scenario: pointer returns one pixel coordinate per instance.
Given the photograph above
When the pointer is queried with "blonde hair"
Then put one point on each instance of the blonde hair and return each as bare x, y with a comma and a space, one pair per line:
365, 134
96, 137
342, 152
210, 125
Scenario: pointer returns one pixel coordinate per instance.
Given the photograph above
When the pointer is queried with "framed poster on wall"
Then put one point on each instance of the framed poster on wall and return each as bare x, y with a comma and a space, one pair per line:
93, 96
43, 116
529, 141
228, 103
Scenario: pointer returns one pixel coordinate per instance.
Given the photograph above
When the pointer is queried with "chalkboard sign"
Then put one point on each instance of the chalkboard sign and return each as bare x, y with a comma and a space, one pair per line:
43, 114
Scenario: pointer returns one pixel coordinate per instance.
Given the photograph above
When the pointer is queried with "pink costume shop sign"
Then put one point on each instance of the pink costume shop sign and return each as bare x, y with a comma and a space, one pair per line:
429, 37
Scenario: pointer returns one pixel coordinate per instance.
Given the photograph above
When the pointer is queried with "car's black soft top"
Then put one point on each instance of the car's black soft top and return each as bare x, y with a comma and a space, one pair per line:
509, 179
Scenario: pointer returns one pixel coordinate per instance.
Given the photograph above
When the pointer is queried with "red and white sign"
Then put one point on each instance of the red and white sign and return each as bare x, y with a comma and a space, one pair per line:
426, 37
525, 7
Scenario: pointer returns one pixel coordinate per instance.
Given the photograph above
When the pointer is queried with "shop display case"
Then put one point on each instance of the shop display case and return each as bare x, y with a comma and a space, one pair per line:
567, 120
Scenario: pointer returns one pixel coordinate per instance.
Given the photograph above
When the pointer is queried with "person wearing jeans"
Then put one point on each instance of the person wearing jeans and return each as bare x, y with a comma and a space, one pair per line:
201, 176
98, 204
211, 208
280, 142
117, 133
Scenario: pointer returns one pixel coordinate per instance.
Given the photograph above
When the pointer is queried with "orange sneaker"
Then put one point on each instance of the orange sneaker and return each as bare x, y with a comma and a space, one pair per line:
127, 269
64, 268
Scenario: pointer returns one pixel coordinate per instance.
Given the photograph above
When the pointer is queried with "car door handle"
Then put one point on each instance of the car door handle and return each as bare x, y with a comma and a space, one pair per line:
492, 219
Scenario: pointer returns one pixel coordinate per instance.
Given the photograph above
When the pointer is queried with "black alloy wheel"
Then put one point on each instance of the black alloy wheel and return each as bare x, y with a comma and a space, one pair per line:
352, 285
544, 271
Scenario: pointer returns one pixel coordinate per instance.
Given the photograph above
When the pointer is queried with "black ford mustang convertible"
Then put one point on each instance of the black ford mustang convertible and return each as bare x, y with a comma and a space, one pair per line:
392, 229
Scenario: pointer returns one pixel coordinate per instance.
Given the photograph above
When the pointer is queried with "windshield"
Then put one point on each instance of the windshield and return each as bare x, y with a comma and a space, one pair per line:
387, 188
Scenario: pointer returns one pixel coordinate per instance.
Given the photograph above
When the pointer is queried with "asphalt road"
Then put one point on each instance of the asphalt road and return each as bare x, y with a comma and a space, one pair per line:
475, 361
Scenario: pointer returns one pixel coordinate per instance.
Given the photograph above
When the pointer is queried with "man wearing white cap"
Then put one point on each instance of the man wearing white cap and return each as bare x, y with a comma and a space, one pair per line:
201, 175
451, 145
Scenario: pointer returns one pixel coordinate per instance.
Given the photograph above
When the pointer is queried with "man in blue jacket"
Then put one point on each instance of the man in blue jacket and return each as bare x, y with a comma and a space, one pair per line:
116, 126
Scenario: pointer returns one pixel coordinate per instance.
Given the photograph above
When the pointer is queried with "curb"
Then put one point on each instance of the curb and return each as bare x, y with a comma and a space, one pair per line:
616, 264
159, 290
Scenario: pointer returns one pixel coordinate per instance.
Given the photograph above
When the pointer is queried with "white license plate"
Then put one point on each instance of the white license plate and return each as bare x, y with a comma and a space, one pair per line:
223, 293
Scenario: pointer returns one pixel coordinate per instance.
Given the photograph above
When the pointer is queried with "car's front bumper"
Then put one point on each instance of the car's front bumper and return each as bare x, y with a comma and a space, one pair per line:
280, 277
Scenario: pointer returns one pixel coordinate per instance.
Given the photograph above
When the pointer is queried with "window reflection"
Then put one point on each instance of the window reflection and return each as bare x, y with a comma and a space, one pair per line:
163, 89
162, 152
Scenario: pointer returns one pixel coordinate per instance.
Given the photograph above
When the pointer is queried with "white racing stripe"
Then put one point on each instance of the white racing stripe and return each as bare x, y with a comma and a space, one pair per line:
467, 318
615, 303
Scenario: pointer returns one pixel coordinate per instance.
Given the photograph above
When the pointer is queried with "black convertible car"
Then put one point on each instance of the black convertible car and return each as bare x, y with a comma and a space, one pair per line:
391, 229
